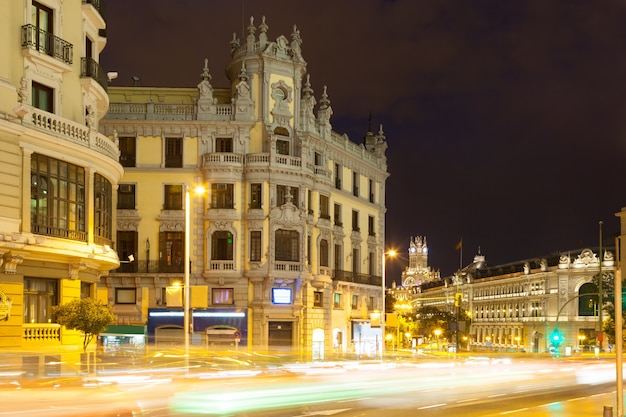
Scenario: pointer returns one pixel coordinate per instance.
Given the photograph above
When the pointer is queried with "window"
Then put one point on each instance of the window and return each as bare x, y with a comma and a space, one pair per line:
308, 247
126, 245
42, 19
39, 295
285, 193
255, 196
337, 258
222, 196
370, 303
588, 300
88, 48
126, 197
222, 246
173, 152
371, 264
85, 289
103, 210
323, 252
309, 195
128, 151
337, 300
43, 97
318, 299
338, 176
371, 189
287, 245
282, 147
337, 215
125, 296
172, 251
255, 246
318, 159
223, 296
355, 301
57, 198
370, 226
224, 145
355, 184
355, 221
173, 197
324, 207
356, 258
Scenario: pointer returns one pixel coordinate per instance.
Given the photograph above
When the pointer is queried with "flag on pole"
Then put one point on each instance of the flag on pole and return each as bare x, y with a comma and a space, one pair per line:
459, 245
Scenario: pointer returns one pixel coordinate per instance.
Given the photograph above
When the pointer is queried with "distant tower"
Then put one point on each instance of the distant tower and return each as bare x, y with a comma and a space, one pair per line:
418, 271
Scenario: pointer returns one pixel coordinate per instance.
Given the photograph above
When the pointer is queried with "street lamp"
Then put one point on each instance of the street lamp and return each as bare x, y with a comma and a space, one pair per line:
199, 190
437, 334
391, 253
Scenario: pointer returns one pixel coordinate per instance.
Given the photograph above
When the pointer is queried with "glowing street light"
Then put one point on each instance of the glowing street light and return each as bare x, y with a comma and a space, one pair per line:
199, 190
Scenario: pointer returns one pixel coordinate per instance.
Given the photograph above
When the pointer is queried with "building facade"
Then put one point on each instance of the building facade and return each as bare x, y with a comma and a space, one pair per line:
58, 173
518, 306
288, 235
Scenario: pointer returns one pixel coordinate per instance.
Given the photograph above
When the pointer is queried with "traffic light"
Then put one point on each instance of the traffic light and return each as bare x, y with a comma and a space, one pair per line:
458, 299
556, 338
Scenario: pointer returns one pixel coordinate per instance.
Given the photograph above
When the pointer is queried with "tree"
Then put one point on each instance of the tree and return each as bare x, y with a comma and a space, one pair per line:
608, 304
85, 315
431, 318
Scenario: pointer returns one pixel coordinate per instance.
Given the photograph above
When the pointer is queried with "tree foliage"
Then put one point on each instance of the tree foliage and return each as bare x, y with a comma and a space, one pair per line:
85, 315
608, 303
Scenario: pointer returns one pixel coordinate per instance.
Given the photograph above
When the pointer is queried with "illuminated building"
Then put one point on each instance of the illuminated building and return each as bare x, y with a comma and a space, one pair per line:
58, 173
517, 306
290, 231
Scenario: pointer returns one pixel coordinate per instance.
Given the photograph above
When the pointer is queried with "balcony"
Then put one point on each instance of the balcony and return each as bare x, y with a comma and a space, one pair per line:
39, 40
97, 4
90, 68
288, 266
41, 229
146, 267
221, 265
70, 131
221, 159
357, 278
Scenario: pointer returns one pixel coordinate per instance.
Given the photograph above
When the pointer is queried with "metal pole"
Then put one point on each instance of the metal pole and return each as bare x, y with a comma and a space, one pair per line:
382, 313
619, 341
186, 266
600, 292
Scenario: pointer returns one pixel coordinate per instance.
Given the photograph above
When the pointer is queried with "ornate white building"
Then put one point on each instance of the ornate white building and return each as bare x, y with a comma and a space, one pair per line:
519, 305
286, 244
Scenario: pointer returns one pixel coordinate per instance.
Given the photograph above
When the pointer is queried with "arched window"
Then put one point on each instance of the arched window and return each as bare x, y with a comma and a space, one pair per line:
323, 252
588, 300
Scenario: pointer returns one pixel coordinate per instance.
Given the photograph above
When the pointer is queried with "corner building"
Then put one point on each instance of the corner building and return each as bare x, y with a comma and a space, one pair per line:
286, 243
57, 172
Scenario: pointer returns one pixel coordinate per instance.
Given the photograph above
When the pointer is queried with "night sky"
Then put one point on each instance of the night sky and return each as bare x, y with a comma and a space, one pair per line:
505, 120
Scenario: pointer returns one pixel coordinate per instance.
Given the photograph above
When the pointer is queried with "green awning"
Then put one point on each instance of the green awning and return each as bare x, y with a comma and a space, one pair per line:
124, 330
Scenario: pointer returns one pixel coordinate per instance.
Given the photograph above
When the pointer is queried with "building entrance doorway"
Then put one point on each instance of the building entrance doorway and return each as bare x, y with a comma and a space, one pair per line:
280, 335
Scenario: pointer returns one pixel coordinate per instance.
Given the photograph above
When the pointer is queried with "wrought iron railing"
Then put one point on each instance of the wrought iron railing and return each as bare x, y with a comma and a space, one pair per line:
357, 278
90, 68
47, 43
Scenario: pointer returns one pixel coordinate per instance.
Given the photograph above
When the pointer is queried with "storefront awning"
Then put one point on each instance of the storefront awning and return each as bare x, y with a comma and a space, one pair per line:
124, 331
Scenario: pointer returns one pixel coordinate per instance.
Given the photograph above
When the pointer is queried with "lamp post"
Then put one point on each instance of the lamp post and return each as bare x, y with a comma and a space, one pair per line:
383, 318
186, 270
187, 260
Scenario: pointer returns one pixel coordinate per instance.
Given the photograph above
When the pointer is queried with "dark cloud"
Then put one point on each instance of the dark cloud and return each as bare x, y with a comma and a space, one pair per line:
505, 119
